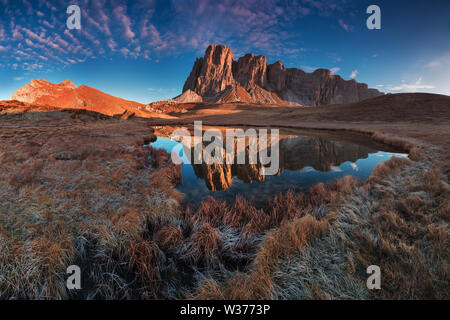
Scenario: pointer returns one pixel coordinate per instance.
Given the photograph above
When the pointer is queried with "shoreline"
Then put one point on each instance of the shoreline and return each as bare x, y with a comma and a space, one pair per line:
82, 181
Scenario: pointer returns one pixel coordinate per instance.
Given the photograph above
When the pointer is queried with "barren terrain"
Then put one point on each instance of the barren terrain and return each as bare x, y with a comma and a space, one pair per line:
416, 117
78, 187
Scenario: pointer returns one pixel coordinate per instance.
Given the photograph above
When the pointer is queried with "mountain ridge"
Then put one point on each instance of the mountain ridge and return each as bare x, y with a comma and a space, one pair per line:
67, 95
216, 74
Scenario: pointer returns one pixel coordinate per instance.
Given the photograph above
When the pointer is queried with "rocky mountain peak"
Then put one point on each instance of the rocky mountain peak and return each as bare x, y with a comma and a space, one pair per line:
250, 71
67, 95
68, 84
215, 75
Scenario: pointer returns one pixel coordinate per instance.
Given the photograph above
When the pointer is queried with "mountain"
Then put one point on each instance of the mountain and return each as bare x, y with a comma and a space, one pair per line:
317, 153
217, 77
68, 95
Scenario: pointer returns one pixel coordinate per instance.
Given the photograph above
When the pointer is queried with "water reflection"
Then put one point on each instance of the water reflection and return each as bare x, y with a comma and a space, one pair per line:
303, 162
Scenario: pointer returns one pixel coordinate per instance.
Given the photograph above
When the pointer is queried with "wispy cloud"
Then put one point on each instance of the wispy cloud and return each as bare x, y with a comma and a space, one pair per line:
345, 26
354, 74
335, 70
120, 13
312, 69
439, 62
411, 87
134, 29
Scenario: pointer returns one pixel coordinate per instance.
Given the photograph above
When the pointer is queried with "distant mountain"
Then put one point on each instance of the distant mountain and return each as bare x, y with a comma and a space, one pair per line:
218, 78
68, 95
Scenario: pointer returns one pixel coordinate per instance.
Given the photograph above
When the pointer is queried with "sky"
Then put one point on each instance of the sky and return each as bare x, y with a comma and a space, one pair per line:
145, 50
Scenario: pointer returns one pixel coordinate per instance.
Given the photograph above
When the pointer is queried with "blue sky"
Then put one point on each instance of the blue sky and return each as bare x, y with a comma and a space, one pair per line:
144, 50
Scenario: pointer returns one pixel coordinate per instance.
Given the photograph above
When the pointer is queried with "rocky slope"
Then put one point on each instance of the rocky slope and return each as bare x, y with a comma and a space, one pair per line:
218, 78
68, 95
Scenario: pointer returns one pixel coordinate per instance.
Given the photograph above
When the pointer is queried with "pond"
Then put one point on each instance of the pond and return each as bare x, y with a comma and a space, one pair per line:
304, 161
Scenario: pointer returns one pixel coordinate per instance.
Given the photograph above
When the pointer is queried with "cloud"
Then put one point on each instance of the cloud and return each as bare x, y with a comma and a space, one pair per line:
346, 27
16, 33
312, 69
31, 67
354, 74
162, 90
3, 49
99, 20
439, 62
308, 68
260, 26
335, 70
436, 74
158, 94
150, 31
18, 78
150, 34
47, 24
112, 44
70, 36
412, 87
42, 39
120, 13
125, 51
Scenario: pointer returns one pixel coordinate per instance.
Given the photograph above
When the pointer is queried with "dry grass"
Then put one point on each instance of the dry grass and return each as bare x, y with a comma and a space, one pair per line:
282, 242
385, 169
170, 237
84, 192
400, 143
68, 196
158, 156
398, 220
399, 223
204, 244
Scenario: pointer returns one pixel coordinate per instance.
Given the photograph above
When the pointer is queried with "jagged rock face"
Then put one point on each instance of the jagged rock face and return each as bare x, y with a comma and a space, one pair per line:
250, 71
213, 73
41, 89
216, 74
276, 74
218, 177
296, 153
68, 95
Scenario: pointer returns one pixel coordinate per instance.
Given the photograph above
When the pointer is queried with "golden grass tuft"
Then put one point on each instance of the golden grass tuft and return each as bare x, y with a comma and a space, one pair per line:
282, 242
204, 243
169, 237
385, 169
416, 153
144, 258
244, 214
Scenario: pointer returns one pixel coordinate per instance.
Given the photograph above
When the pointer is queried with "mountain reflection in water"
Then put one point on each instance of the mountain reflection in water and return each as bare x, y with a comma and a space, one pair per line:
304, 162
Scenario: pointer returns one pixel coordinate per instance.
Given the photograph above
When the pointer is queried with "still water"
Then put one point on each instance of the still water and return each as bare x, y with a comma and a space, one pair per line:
304, 162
